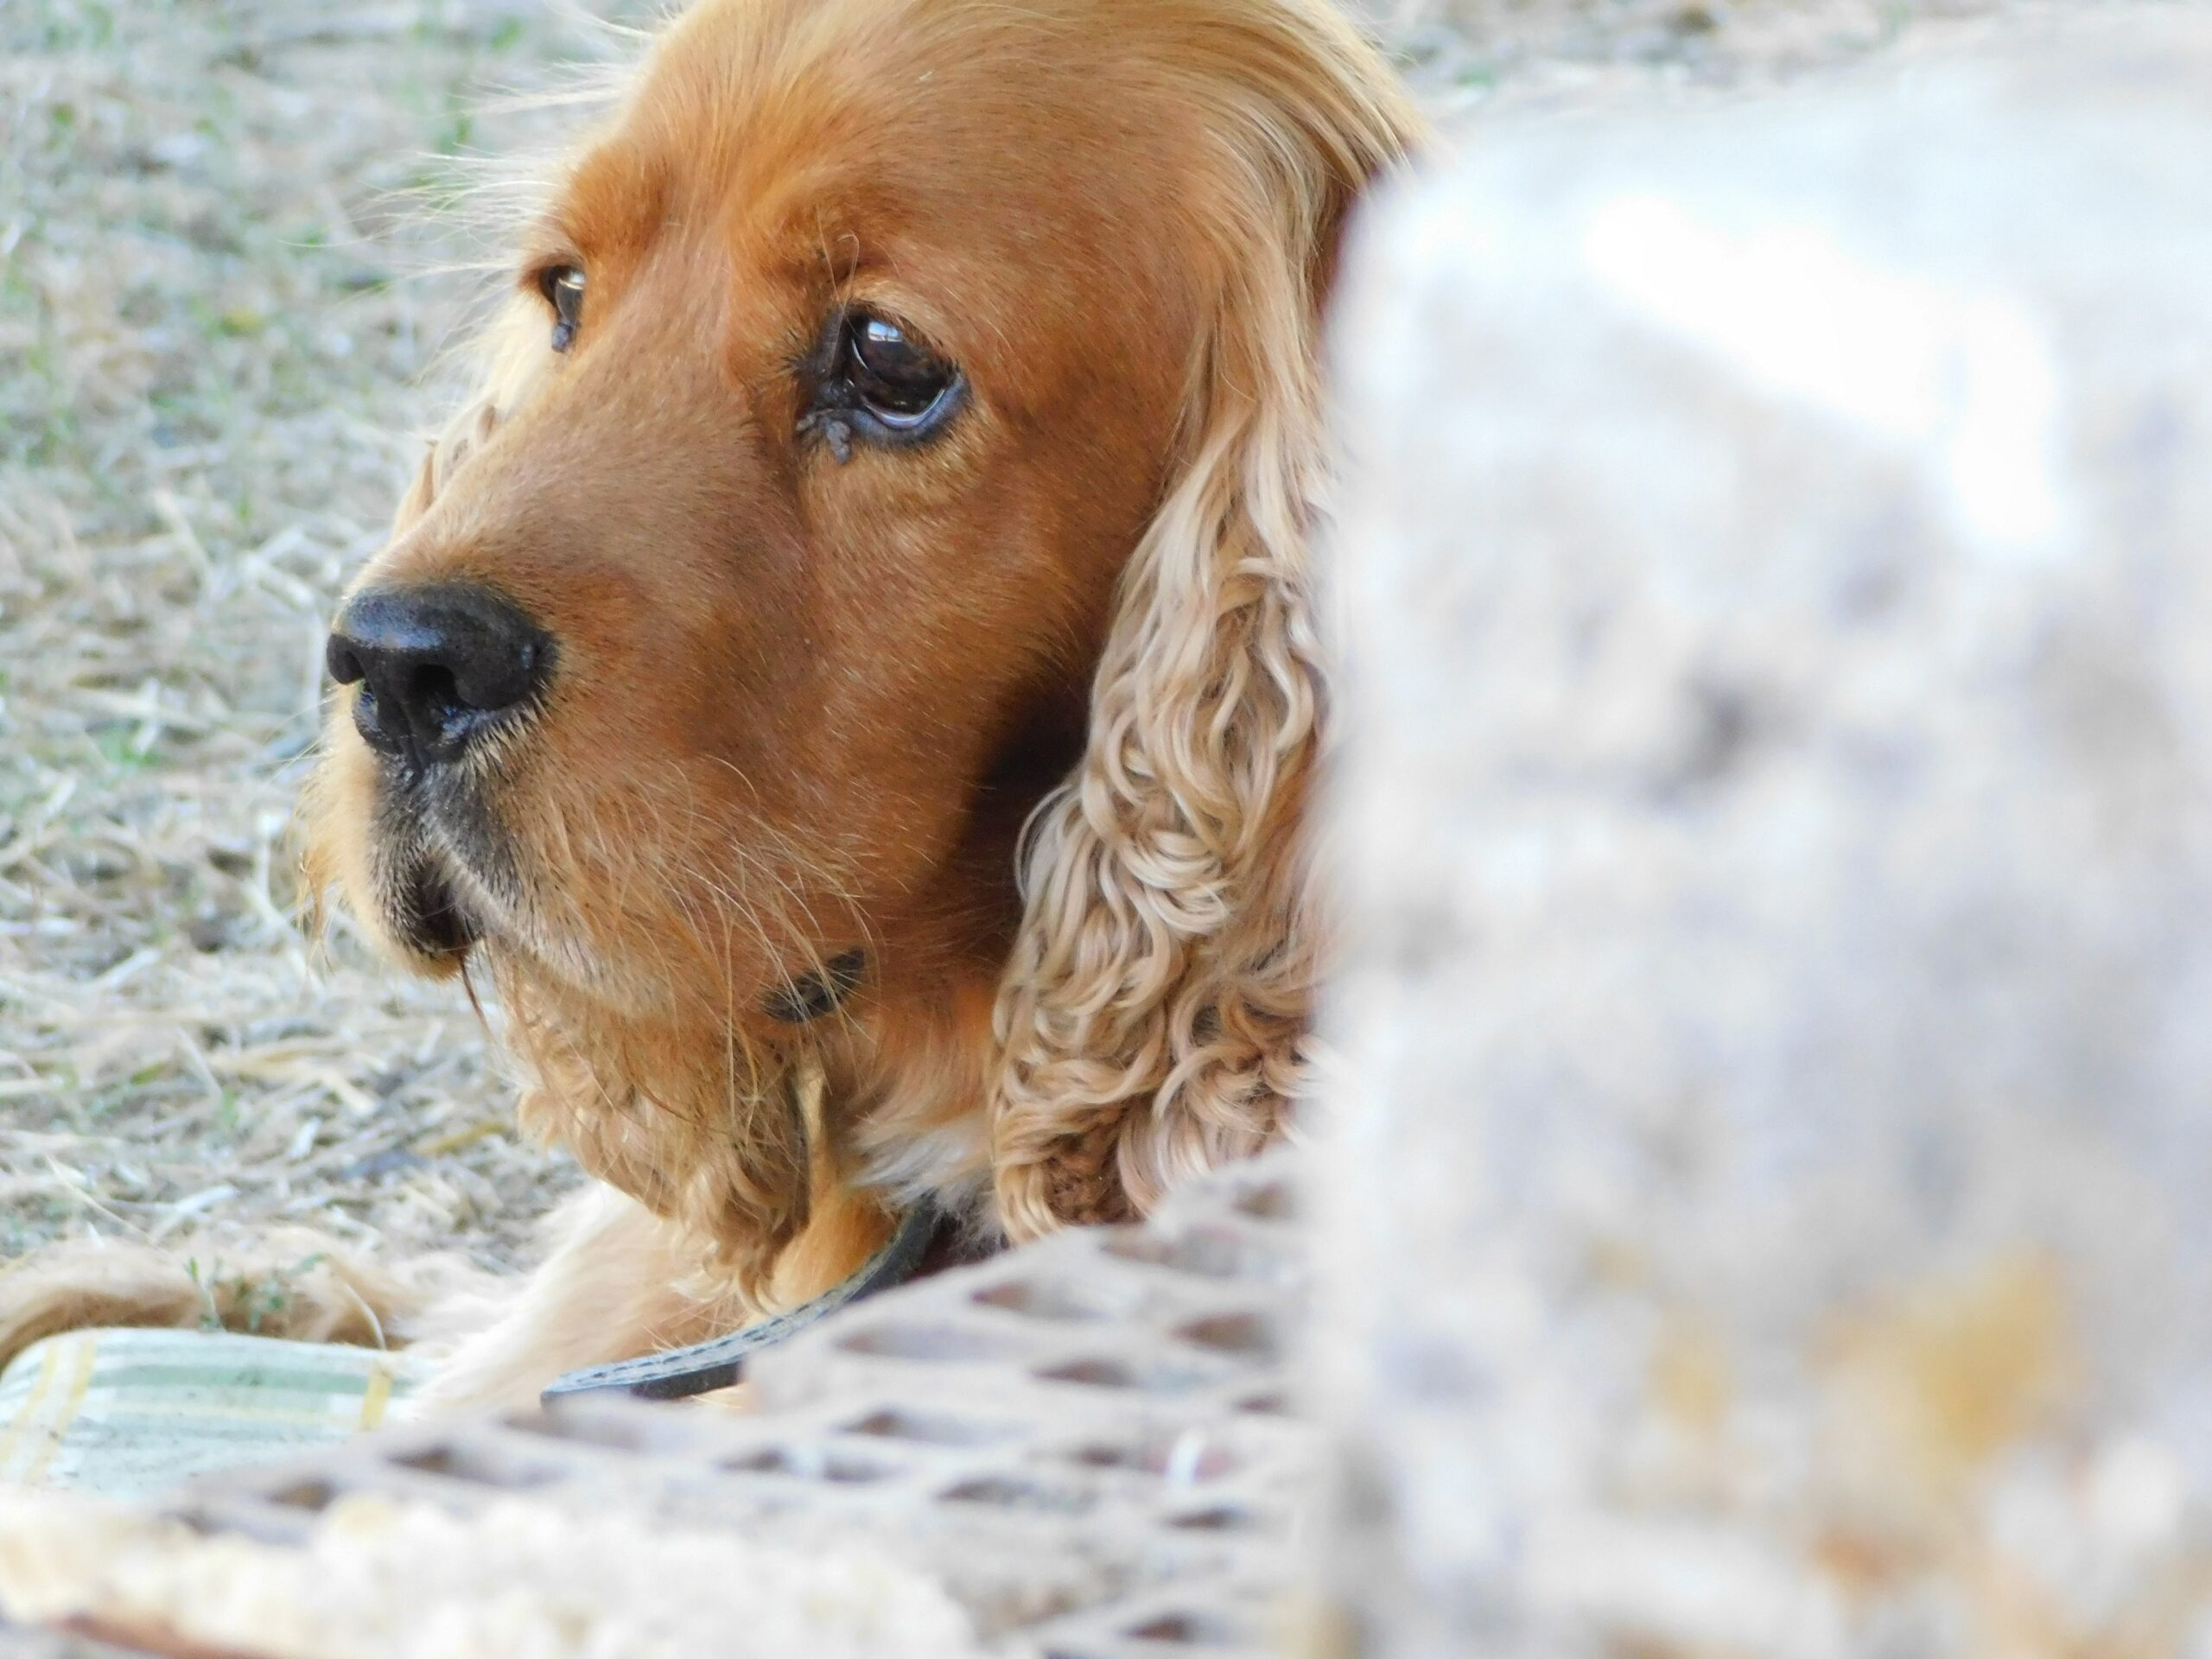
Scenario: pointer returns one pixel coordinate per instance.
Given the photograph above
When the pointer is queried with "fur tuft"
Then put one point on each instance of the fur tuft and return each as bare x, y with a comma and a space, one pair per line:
290, 1283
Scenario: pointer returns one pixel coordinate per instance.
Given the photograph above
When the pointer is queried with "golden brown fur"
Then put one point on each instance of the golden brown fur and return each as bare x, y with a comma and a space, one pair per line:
808, 695
291, 1283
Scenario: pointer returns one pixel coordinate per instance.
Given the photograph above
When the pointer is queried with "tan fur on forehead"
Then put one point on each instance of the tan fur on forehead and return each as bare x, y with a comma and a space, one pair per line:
806, 701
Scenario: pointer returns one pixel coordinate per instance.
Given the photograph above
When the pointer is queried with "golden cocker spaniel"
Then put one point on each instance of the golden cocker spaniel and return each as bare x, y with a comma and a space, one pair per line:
851, 679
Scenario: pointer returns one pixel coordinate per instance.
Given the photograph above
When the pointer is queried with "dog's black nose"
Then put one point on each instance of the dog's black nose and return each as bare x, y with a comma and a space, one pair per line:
435, 664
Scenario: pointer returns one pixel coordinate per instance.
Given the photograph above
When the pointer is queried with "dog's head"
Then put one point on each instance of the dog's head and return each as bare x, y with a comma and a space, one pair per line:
903, 431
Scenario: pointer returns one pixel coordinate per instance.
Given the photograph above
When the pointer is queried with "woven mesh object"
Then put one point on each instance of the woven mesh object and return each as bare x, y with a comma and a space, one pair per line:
1087, 1441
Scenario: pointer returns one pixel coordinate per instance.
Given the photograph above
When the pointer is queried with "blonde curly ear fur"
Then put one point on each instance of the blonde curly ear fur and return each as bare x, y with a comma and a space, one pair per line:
1154, 1016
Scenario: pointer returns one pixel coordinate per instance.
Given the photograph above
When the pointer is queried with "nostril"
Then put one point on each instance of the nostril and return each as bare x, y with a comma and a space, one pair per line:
343, 661
432, 690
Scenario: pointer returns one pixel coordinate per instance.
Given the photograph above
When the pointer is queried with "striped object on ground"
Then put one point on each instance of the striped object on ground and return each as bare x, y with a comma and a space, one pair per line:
128, 1414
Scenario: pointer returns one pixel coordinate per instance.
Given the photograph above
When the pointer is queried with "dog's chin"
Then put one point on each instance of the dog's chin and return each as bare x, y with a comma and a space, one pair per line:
429, 923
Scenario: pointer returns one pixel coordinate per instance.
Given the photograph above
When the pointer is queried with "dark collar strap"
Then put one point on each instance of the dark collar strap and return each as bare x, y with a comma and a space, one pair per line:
681, 1372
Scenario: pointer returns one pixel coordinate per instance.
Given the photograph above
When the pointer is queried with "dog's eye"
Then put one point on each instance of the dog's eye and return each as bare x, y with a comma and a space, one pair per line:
563, 288
894, 376
870, 380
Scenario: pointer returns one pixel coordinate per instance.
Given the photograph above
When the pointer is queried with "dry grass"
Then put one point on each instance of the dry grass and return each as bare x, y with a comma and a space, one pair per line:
1472, 58
211, 346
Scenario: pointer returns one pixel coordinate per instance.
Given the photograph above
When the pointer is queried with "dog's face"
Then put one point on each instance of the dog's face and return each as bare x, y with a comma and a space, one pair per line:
726, 668
907, 416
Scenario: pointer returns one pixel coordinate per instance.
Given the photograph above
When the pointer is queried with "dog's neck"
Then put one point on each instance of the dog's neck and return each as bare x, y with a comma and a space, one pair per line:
904, 1100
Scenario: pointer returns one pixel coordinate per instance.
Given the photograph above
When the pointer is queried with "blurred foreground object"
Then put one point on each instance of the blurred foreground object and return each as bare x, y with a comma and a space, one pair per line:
380, 1579
1774, 1209
1081, 1449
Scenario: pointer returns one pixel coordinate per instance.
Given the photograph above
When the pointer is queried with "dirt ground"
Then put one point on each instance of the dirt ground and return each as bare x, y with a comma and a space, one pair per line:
230, 235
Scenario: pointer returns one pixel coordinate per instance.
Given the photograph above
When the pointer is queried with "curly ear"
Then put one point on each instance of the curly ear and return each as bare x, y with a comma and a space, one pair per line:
1152, 1018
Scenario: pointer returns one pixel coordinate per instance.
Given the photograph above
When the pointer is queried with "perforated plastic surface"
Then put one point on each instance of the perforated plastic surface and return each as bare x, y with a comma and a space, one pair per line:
1087, 1441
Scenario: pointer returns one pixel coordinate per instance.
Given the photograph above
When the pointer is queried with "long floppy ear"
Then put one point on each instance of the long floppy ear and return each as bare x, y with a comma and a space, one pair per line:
1153, 1019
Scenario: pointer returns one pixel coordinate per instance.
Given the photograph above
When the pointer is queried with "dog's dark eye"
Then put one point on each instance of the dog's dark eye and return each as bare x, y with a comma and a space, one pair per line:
894, 376
563, 288
871, 380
